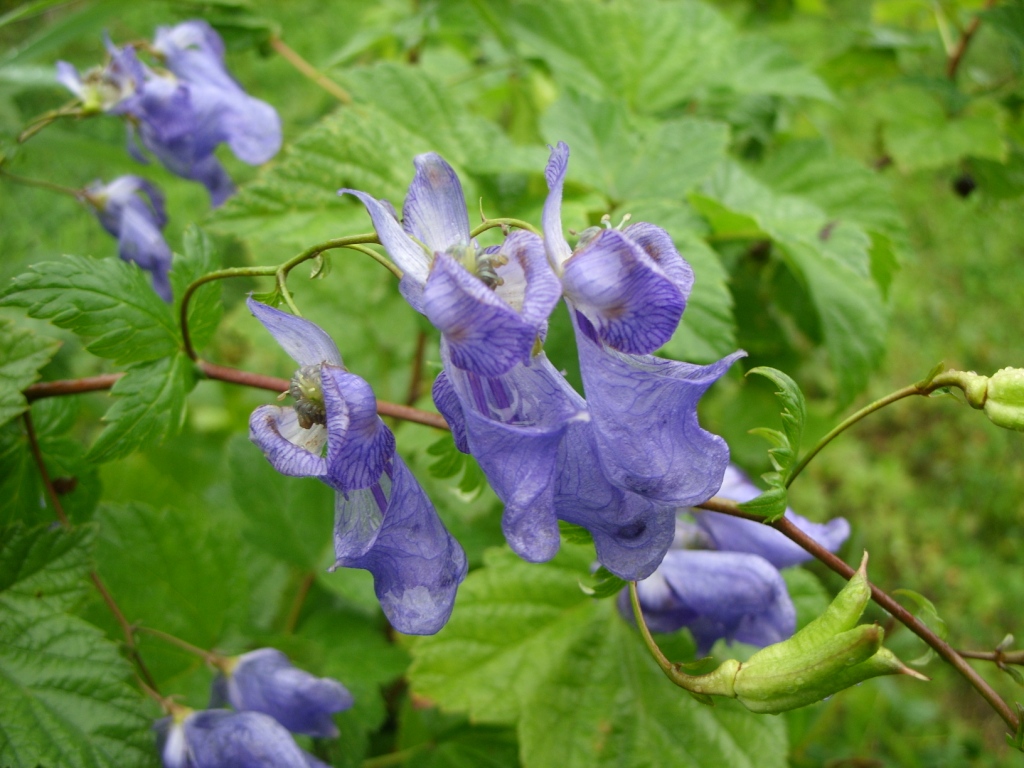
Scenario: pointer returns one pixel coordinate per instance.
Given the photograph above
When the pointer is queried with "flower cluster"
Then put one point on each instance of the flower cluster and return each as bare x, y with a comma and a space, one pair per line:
271, 700
622, 460
721, 578
181, 109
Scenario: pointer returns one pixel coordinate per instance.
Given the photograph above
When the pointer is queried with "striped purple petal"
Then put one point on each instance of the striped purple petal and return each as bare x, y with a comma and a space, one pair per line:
435, 207
305, 342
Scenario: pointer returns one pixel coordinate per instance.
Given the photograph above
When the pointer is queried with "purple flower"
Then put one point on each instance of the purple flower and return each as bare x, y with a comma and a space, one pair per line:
132, 210
722, 580
384, 522
265, 681
182, 113
219, 738
626, 292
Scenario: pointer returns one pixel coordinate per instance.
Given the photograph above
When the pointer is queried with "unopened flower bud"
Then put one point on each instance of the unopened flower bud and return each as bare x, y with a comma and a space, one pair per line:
1004, 404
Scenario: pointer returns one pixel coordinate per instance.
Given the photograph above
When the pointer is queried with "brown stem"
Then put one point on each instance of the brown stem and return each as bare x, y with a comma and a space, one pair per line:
108, 599
999, 657
214, 659
957, 54
416, 377
308, 70
292, 619
45, 389
941, 647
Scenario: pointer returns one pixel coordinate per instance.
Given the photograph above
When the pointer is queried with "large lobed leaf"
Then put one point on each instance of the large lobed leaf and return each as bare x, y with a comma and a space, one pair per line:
526, 646
64, 699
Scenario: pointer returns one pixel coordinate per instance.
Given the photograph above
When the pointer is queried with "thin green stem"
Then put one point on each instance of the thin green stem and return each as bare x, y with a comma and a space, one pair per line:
72, 109
295, 609
396, 758
382, 260
214, 659
309, 71
504, 223
195, 285
78, 194
666, 666
921, 388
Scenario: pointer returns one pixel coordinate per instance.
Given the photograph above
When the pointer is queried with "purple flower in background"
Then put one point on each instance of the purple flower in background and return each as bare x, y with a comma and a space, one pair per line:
722, 580
219, 738
132, 210
384, 522
184, 111
266, 681
626, 292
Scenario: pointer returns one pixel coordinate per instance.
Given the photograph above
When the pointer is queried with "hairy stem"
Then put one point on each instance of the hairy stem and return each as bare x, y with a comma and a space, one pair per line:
287, 53
504, 223
941, 647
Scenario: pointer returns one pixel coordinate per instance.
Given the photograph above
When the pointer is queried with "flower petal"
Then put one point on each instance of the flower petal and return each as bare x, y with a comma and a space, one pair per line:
447, 402
484, 334
305, 342
359, 445
408, 255
530, 286
557, 248
266, 681
435, 207
724, 595
644, 411
290, 449
631, 533
217, 738
629, 302
67, 75
416, 564
658, 244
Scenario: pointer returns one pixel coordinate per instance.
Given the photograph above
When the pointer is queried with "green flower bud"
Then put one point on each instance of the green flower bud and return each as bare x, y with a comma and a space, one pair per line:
828, 655
1004, 404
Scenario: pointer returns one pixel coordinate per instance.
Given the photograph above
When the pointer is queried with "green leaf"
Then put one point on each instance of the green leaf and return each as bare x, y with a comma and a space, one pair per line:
151, 406
929, 614
602, 584
177, 570
450, 741
830, 258
1007, 19
64, 699
759, 65
22, 354
771, 504
794, 411
628, 158
525, 646
291, 518
107, 300
44, 570
205, 307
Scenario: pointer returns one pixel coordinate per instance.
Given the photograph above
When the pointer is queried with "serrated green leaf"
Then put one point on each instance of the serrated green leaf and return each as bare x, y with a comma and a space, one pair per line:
205, 308
525, 646
22, 354
831, 259
794, 407
177, 570
151, 406
290, 518
107, 300
64, 699
771, 505
43, 570
439, 740
603, 584
758, 65
574, 534
629, 158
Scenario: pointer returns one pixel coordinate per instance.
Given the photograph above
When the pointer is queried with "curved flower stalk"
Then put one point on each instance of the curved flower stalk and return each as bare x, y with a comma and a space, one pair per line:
384, 522
216, 738
184, 111
132, 210
626, 292
266, 681
722, 581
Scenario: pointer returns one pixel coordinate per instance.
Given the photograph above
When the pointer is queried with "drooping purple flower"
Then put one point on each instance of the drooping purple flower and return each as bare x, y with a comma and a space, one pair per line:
266, 681
626, 292
219, 738
132, 210
182, 112
384, 522
723, 581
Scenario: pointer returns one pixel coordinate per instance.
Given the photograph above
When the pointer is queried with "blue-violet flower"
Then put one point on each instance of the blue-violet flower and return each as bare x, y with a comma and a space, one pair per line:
132, 210
266, 681
384, 522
